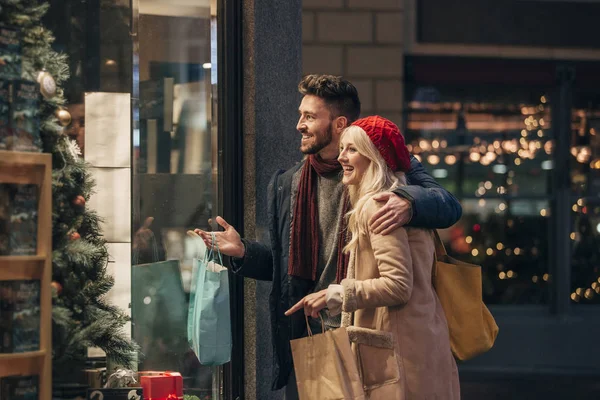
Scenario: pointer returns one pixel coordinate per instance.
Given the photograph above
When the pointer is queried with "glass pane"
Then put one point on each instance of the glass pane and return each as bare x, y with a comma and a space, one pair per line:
491, 146
174, 184
585, 189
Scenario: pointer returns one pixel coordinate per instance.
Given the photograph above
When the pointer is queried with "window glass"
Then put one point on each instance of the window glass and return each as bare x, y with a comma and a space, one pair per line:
174, 180
491, 145
585, 190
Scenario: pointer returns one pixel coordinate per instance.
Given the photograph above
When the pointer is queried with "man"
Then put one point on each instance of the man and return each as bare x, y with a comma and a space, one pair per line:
306, 217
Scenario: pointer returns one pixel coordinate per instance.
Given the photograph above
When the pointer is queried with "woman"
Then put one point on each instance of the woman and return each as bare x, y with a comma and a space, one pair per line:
394, 318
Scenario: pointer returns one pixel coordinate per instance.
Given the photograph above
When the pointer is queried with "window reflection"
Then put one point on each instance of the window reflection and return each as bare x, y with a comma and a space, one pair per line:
493, 150
174, 187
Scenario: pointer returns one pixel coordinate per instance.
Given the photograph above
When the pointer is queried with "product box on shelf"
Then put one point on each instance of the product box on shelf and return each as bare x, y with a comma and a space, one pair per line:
18, 219
10, 53
161, 385
19, 387
19, 316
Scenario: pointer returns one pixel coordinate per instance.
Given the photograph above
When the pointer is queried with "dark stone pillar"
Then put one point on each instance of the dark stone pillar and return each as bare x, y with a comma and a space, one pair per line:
272, 69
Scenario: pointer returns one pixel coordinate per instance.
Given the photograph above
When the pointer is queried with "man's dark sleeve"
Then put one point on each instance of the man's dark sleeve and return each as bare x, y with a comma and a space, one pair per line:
257, 262
258, 258
433, 206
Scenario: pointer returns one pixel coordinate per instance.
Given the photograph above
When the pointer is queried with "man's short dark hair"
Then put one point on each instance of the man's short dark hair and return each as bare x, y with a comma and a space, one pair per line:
340, 95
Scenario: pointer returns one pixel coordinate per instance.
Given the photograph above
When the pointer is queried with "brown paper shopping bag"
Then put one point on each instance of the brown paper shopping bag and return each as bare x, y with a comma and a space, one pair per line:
326, 366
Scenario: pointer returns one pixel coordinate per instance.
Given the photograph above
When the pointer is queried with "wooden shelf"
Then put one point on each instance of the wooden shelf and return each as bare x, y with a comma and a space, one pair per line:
23, 168
30, 363
20, 259
32, 168
21, 267
27, 354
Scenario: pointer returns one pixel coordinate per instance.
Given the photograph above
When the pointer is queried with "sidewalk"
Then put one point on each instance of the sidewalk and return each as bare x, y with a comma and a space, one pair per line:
530, 388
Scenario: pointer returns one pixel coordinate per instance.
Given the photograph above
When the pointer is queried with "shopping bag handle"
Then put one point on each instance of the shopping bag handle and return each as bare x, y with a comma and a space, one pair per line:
214, 246
440, 249
310, 334
440, 252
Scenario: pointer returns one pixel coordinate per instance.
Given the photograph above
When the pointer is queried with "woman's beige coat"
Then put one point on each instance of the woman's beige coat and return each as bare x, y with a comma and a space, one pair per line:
394, 317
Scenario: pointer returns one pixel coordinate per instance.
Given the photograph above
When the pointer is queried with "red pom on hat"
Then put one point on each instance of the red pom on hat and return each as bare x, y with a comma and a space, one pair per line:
386, 136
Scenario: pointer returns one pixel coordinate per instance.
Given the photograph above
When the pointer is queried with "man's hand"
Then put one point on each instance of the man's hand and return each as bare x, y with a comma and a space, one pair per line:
143, 236
395, 213
312, 304
229, 241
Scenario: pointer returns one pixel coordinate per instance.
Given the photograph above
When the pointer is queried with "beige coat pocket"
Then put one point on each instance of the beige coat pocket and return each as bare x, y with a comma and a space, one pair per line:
376, 357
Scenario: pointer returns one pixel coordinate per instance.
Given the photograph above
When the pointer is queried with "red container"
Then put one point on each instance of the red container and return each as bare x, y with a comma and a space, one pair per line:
161, 385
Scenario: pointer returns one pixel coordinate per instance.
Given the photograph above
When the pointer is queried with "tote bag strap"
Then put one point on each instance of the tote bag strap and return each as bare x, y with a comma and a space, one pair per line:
440, 253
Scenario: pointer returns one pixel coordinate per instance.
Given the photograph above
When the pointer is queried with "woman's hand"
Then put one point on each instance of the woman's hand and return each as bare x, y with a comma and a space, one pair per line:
228, 241
312, 304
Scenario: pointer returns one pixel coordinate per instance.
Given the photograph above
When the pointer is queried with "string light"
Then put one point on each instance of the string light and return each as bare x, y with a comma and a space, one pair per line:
450, 159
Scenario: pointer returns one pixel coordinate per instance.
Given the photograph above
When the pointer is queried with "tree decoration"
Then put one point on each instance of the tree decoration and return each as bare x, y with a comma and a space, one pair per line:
79, 201
64, 117
47, 84
74, 236
57, 287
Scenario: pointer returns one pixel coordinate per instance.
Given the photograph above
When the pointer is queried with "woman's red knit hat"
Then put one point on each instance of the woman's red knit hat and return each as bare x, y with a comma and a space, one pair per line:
386, 136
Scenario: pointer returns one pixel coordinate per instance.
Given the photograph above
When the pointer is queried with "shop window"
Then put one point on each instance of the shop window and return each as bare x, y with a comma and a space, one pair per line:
584, 162
492, 146
174, 181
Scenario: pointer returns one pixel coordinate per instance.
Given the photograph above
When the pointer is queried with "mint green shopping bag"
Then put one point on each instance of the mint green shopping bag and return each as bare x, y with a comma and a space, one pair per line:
209, 321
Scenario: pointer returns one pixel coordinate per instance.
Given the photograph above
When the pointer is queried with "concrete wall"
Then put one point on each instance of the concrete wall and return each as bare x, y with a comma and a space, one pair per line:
363, 41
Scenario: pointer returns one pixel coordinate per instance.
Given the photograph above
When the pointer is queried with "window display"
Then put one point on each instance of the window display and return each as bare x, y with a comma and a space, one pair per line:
175, 181
125, 100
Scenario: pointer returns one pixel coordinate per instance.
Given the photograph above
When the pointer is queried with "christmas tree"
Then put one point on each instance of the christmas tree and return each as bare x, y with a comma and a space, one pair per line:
82, 317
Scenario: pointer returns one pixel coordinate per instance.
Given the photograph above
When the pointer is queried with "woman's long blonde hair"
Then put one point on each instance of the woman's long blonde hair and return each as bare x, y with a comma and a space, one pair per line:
377, 178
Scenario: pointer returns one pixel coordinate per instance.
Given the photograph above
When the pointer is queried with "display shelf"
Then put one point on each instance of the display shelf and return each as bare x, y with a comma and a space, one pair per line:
21, 267
32, 168
17, 356
20, 259
30, 363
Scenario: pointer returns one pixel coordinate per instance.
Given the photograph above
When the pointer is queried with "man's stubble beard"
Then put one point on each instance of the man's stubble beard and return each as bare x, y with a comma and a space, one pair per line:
321, 142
